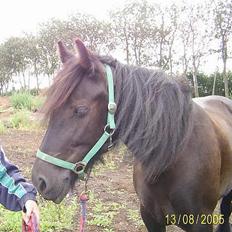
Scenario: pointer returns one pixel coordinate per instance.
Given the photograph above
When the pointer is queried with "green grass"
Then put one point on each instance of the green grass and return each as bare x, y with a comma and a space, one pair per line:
26, 101
2, 128
54, 218
103, 213
22, 100
134, 216
20, 120
58, 217
108, 164
37, 102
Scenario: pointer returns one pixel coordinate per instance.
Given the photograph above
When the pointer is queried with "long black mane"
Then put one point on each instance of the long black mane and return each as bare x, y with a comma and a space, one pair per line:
153, 115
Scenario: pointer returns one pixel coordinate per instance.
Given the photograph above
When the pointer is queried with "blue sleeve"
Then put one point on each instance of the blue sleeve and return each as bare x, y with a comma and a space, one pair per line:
14, 189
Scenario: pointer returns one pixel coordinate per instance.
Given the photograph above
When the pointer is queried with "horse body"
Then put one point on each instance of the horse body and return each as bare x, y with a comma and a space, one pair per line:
219, 110
206, 158
182, 147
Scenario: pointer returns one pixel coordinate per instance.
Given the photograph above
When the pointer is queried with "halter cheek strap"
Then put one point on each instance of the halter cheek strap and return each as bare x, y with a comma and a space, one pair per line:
79, 167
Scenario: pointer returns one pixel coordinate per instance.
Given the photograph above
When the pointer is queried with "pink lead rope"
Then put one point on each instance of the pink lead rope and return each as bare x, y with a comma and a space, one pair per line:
83, 200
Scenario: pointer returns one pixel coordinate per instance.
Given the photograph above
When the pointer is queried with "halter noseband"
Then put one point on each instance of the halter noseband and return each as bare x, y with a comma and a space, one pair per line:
79, 167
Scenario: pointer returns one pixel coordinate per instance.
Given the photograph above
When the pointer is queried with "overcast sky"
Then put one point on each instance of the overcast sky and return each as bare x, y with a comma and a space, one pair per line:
17, 16
24, 15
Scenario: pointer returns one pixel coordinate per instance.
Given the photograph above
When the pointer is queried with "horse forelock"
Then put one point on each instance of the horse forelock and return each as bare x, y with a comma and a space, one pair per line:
65, 82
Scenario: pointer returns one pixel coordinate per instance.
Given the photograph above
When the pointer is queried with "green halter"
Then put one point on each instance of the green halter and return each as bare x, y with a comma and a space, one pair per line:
79, 167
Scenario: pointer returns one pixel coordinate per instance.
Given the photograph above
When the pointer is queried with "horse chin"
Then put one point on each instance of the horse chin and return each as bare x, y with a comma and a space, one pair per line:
58, 200
60, 197
67, 190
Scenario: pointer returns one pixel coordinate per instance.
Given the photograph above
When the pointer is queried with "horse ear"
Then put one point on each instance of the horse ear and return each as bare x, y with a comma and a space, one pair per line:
83, 54
64, 53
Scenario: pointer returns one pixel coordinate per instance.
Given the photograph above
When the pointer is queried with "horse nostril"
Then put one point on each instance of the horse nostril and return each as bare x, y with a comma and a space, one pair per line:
42, 185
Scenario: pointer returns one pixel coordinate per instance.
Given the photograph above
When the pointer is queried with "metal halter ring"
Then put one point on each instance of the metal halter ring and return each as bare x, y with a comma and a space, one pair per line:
80, 167
108, 130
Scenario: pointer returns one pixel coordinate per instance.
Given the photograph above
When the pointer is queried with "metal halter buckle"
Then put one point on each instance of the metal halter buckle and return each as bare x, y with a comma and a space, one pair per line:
80, 167
112, 107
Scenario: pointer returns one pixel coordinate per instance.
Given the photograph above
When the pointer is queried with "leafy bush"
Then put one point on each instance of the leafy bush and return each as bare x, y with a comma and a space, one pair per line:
22, 100
37, 103
26, 101
34, 92
20, 119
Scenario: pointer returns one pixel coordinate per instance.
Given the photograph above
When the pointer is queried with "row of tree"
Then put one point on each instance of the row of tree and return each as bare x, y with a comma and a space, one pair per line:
212, 84
177, 38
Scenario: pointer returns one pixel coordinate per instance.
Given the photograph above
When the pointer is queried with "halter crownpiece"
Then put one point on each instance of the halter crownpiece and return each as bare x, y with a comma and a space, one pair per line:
79, 167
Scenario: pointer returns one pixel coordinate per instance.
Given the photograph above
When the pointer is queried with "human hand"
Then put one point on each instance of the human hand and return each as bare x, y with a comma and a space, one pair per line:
31, 208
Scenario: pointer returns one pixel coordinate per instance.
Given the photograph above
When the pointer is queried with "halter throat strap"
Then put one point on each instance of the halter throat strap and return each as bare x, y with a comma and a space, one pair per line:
79, 167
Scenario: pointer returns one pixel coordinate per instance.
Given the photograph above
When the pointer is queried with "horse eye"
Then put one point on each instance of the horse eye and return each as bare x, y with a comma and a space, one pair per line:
81, 111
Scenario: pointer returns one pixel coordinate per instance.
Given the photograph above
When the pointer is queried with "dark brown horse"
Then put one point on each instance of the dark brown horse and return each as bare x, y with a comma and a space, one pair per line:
182, 147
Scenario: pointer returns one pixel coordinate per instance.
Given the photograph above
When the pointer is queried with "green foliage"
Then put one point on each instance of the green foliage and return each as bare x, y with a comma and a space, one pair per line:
57, 217
2, 127
25, 101
108, 164
205, 83
20, 120
103, 213
10, 221
34, 92
37, 102
22, 100
134, 216
54, 218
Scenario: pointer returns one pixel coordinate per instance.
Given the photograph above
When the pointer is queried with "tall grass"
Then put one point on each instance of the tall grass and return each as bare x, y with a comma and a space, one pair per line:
25, 101
20, 120
22, 100
2, 127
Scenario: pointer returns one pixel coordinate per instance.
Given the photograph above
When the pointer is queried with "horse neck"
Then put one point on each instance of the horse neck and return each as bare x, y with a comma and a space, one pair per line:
124, 88
152, 117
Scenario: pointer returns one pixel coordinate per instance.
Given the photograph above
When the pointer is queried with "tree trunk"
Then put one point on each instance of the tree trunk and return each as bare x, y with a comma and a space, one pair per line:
29, 82
135, 45
224, 59
195, 84
37, 81
225, 79
127, 47
49, 80
161, 53
170, 61
214, 83
24, 81
36, 76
